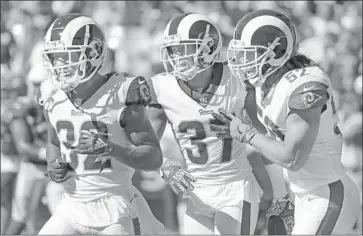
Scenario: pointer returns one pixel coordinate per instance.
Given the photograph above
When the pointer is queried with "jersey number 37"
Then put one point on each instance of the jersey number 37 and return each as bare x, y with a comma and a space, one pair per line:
197, 140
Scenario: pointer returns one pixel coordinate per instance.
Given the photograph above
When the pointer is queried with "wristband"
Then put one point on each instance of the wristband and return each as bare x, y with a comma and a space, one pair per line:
250, 134
242, 135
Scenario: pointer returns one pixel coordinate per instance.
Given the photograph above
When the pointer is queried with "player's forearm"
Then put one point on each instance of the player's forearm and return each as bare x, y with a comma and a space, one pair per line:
260, 172
144, 157
275, 151
263, 180
158, 120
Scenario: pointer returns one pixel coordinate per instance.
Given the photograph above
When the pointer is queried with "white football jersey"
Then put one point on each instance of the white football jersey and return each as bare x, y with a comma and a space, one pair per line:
100, 113
210, 159
301, 89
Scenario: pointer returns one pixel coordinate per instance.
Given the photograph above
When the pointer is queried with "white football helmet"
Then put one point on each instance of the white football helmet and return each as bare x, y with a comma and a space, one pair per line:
79, 40
263, 41
193, 36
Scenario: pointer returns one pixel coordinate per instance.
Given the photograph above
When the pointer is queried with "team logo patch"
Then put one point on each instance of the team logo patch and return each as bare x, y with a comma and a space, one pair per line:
311, 94
78, 102
309, 99
144, 92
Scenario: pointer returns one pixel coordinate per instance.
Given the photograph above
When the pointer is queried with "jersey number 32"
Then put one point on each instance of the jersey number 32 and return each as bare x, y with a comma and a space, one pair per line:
89, 163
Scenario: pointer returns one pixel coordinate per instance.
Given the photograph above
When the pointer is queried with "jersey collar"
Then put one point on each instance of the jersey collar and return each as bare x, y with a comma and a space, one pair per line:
203, 98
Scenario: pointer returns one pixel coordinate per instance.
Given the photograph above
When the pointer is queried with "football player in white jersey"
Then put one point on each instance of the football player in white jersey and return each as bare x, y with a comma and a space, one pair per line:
295, 103
223, 193
98, 133
280, 211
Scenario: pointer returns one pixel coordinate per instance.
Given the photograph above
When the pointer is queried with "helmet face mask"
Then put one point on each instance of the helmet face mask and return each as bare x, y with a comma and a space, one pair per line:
74, 58
263, 41
244, 62
190, 47
184, 58
63, 67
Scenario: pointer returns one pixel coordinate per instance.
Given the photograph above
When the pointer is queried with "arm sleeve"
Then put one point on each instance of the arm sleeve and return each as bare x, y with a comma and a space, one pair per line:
311, 94
136, 91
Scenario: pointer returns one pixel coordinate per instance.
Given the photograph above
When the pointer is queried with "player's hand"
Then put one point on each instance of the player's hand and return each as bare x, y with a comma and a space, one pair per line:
93, 143
179, 180
233, 127
57, 171
281, 210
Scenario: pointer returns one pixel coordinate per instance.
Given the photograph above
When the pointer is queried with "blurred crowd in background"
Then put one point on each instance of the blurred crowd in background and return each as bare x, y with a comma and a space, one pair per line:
329, 32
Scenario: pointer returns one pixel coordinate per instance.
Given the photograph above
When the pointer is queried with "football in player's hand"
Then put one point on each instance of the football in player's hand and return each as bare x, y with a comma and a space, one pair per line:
90, 142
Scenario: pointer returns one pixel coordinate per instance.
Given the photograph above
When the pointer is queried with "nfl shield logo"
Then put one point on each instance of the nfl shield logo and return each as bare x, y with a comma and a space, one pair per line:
203, 101
78, 102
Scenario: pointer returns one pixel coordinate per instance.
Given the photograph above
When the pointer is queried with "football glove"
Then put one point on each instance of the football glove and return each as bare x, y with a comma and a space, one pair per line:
178, 179
93, 143
233, 127
280, 217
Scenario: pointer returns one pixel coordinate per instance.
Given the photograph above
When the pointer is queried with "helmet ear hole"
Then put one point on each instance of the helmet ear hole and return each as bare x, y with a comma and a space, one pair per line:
279, 51
264, 68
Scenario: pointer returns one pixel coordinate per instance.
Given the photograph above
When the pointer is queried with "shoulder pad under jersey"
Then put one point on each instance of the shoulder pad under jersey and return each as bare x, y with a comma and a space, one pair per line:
136, 91
151, 81
311, 92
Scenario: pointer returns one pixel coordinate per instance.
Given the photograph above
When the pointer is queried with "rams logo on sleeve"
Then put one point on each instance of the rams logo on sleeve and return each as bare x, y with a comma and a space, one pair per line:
138, 91
309, 99
311, 94
145, 93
